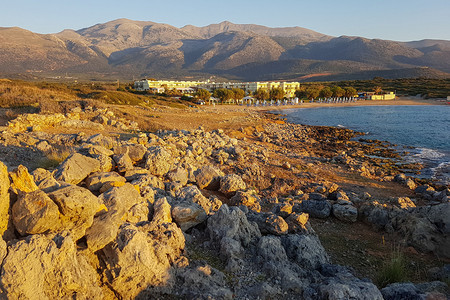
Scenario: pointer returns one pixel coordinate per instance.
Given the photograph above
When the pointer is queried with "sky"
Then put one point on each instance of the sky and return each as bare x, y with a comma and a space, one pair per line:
399, 20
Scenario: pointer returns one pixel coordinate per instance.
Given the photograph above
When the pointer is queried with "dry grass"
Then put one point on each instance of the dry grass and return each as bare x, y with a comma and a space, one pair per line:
55, 157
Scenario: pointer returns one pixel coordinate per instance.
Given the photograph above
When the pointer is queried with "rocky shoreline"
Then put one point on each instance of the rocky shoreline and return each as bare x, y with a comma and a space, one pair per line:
202, 214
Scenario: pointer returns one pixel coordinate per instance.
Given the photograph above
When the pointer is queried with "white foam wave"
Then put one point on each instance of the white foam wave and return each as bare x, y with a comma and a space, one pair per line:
429, 154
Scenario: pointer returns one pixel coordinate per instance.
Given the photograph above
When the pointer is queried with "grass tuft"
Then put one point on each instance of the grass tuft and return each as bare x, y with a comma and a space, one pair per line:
393, 270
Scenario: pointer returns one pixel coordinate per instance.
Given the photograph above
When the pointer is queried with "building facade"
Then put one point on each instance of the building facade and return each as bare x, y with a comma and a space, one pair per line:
289, 88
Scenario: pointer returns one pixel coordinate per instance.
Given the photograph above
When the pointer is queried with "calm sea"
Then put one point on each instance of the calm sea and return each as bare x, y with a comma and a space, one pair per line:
427, 128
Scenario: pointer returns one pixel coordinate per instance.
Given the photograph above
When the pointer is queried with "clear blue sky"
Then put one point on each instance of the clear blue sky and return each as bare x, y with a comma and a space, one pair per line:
401, 20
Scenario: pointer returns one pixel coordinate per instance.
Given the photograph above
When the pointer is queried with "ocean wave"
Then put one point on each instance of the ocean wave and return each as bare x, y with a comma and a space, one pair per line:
428, 154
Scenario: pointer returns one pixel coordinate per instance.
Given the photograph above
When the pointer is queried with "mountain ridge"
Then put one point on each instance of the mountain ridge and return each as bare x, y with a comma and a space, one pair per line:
240, 51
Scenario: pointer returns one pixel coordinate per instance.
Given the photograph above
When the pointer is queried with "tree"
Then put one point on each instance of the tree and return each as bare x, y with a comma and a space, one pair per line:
300, 92
238, 93
378, 90
326, 92
312, 92
223, 94
202, 94
337, 91
261, 94
276, 93
349, 92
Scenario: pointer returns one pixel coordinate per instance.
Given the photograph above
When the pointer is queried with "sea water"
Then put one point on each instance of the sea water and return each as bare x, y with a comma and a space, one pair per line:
424, 127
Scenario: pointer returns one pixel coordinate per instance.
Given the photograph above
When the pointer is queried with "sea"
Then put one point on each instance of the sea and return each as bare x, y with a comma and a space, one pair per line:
421, 130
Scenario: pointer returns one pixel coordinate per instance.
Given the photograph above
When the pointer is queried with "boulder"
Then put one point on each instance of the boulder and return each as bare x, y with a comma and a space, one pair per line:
269, 248
35, 213
96, 180
246, 199
193, 194
77, 207
346, 213
315, 208
231, 222
405, 203
179, 175
106, 162
48, 267
282, 209
148, 180
406, 290
22, 181
208, 177
188, 214
162, 211
269, 223
136, 152
76, 168
4, 198
158, 160
229, 184
305, 250
141, 257
123, 162
298, 223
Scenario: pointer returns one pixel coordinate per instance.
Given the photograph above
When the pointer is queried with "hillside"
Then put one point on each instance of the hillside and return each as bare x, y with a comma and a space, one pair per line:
125, 48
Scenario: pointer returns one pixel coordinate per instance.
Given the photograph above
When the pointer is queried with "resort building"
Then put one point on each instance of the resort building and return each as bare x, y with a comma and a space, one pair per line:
289, 88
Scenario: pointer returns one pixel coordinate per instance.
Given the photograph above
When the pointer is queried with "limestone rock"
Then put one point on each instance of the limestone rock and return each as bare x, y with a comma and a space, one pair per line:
346, 213
106, 162
188, 214
76, 168
158, 160
306, 250
178, 175
298, 223
269, 223
246, 199
405, 203
97, 179
48, 267
22, 181
269, 248
315, 208
77, 208
401, 291
162, 211
229, 184
4, 198
101, 140
123, 162
141, 257
231, 222
193, 194
208, 177
136, 152
35, 213
148, 180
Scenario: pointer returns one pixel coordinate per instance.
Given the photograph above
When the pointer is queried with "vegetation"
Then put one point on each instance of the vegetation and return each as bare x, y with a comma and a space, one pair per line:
224, 95
393, 270
202, 94
261, 94
276, 93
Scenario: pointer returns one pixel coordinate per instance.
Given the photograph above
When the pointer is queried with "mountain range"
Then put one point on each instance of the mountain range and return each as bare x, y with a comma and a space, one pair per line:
125, 48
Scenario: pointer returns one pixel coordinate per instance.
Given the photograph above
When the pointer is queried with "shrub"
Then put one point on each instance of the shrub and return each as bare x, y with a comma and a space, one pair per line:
393, 270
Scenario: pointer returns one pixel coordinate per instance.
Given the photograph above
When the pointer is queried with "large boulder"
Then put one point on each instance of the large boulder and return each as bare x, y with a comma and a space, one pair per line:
4, 198
22, 181
346, 213
136, 152
141, 257
158, 160
315, 208
208, 177
77, 207
229, 184
188, 214
48, 267
405, 290
231, 222
35, 213
305, 250
269, 223
247, 199
76, 168
96, 180
194, 195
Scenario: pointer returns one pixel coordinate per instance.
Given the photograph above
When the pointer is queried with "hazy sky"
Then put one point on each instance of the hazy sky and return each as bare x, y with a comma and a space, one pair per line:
401, 20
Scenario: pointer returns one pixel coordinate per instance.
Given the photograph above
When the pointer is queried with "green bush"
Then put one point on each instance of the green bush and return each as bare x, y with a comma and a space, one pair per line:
393, 270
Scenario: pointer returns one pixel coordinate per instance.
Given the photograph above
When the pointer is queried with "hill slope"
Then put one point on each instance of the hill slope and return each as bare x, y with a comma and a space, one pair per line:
126, 48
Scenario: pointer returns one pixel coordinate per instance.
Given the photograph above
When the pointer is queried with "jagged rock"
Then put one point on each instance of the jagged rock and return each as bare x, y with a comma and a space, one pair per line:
141, 257
208, 177
269, 248
306, 250
136, 152
396, 291
340, 284
35, 213
119, 201
148, 180
298, 223
4, 199
269, 223
22, 181
188, 214
375, 214
231, 222
246, 199
109, 185
202, 282
123, 162
315, 208
282, 209
193, 194
76, 168
405, 203
106, 162
178, 175
158, 160
346, 213
230, 249
94, 150
77, 208
229, 184
48, 267
96, 180
162, 211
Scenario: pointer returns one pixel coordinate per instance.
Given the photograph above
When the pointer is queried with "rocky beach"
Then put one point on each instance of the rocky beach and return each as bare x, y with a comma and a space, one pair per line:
226, 202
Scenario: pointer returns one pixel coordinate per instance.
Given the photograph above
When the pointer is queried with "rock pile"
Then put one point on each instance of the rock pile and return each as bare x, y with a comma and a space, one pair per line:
172, 214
